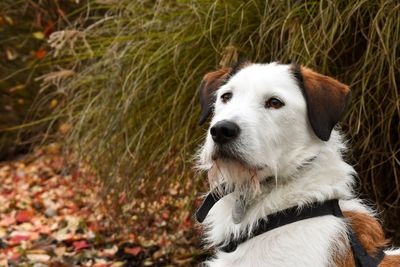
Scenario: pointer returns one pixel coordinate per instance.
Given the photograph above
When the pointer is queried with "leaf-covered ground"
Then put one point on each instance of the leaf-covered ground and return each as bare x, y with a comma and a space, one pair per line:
51, 217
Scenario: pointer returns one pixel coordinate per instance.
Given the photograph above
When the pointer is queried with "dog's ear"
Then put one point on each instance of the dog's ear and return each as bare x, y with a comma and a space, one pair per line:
208, 86
327, 100
212, 81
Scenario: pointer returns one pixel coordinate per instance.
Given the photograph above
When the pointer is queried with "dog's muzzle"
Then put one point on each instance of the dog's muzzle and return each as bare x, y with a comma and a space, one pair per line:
224, 132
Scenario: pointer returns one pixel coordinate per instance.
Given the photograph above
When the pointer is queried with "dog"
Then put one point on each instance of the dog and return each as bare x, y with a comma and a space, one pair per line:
273, 153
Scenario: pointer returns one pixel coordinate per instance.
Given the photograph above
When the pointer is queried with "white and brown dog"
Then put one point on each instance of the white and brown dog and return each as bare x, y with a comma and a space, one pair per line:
272, 150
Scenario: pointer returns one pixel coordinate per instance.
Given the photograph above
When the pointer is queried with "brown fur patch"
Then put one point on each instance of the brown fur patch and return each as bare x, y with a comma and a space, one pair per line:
208, 86
313, 80
390, 261
370, 233
327, 99
211, 82
346, 260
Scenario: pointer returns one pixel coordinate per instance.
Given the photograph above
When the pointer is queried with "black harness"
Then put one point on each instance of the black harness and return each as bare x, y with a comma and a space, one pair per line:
291, 215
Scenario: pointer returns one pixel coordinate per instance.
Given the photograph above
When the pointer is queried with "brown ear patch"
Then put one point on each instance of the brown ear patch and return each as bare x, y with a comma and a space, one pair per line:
327, 99
208, 86
211, 82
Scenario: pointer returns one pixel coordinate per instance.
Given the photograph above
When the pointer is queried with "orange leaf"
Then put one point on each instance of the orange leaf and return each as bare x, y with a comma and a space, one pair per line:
24, 216
40, 54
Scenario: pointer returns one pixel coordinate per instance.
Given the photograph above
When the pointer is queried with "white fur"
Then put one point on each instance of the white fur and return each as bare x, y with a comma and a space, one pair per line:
276, 142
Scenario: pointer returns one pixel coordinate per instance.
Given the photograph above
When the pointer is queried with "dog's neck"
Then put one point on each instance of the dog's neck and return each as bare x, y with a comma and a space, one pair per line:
326, 177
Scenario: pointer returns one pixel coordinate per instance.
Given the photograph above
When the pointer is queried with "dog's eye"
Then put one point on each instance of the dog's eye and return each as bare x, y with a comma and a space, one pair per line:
226, 97
274, 102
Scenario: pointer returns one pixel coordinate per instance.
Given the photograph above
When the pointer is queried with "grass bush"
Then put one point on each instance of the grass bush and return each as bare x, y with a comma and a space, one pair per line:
24, 27
132, 98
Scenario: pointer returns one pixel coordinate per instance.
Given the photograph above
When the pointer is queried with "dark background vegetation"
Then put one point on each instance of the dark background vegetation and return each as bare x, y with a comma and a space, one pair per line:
116, 81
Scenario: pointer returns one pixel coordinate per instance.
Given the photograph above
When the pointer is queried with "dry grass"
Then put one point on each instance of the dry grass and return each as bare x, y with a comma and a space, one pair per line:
132, 101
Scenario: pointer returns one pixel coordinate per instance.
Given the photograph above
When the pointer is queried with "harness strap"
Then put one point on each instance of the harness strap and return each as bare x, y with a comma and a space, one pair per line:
285, 217
291, 215
209, 202
361, 256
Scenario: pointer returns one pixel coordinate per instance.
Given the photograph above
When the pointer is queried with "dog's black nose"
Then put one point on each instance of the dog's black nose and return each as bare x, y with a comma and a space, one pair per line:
224, 131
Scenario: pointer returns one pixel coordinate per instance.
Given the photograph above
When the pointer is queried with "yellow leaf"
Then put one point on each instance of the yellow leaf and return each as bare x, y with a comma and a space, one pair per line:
53, 103
64, 128
38, 35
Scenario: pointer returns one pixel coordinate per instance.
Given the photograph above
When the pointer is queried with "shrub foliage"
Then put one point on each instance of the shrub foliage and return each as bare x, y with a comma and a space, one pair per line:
132, 98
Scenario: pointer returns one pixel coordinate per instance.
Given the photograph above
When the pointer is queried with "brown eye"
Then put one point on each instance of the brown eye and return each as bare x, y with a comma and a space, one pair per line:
226, 97
274, 102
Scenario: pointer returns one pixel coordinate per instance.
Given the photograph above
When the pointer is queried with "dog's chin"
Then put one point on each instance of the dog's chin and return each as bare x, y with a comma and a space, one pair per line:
221, 159
233, 169
228, 157
236, 161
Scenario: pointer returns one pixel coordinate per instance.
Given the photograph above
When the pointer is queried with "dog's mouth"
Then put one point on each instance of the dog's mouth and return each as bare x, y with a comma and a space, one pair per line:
222, 155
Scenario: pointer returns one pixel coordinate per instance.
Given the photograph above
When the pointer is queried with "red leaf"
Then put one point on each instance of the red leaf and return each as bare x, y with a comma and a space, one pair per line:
24, 216
18, 238
165, 215
78, 245
49, 28
15, 256
133, 251
187, 222
122, 198
40, 54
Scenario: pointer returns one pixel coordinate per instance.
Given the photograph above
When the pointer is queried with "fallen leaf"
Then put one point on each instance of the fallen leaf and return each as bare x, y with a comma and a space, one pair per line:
24, 216
53, 103
3, 232
16, 88
39, 54
7, 220
64, 128
78, 245
108, 252
38, 257
38, 35
18, 239
133, 251
15, 256
49, 28
60, 251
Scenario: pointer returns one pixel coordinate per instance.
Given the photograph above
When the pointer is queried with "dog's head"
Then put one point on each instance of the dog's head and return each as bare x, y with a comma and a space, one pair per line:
267, 119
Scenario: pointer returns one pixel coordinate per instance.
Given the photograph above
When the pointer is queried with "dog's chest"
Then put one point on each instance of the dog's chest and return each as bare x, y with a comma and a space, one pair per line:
311, 242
